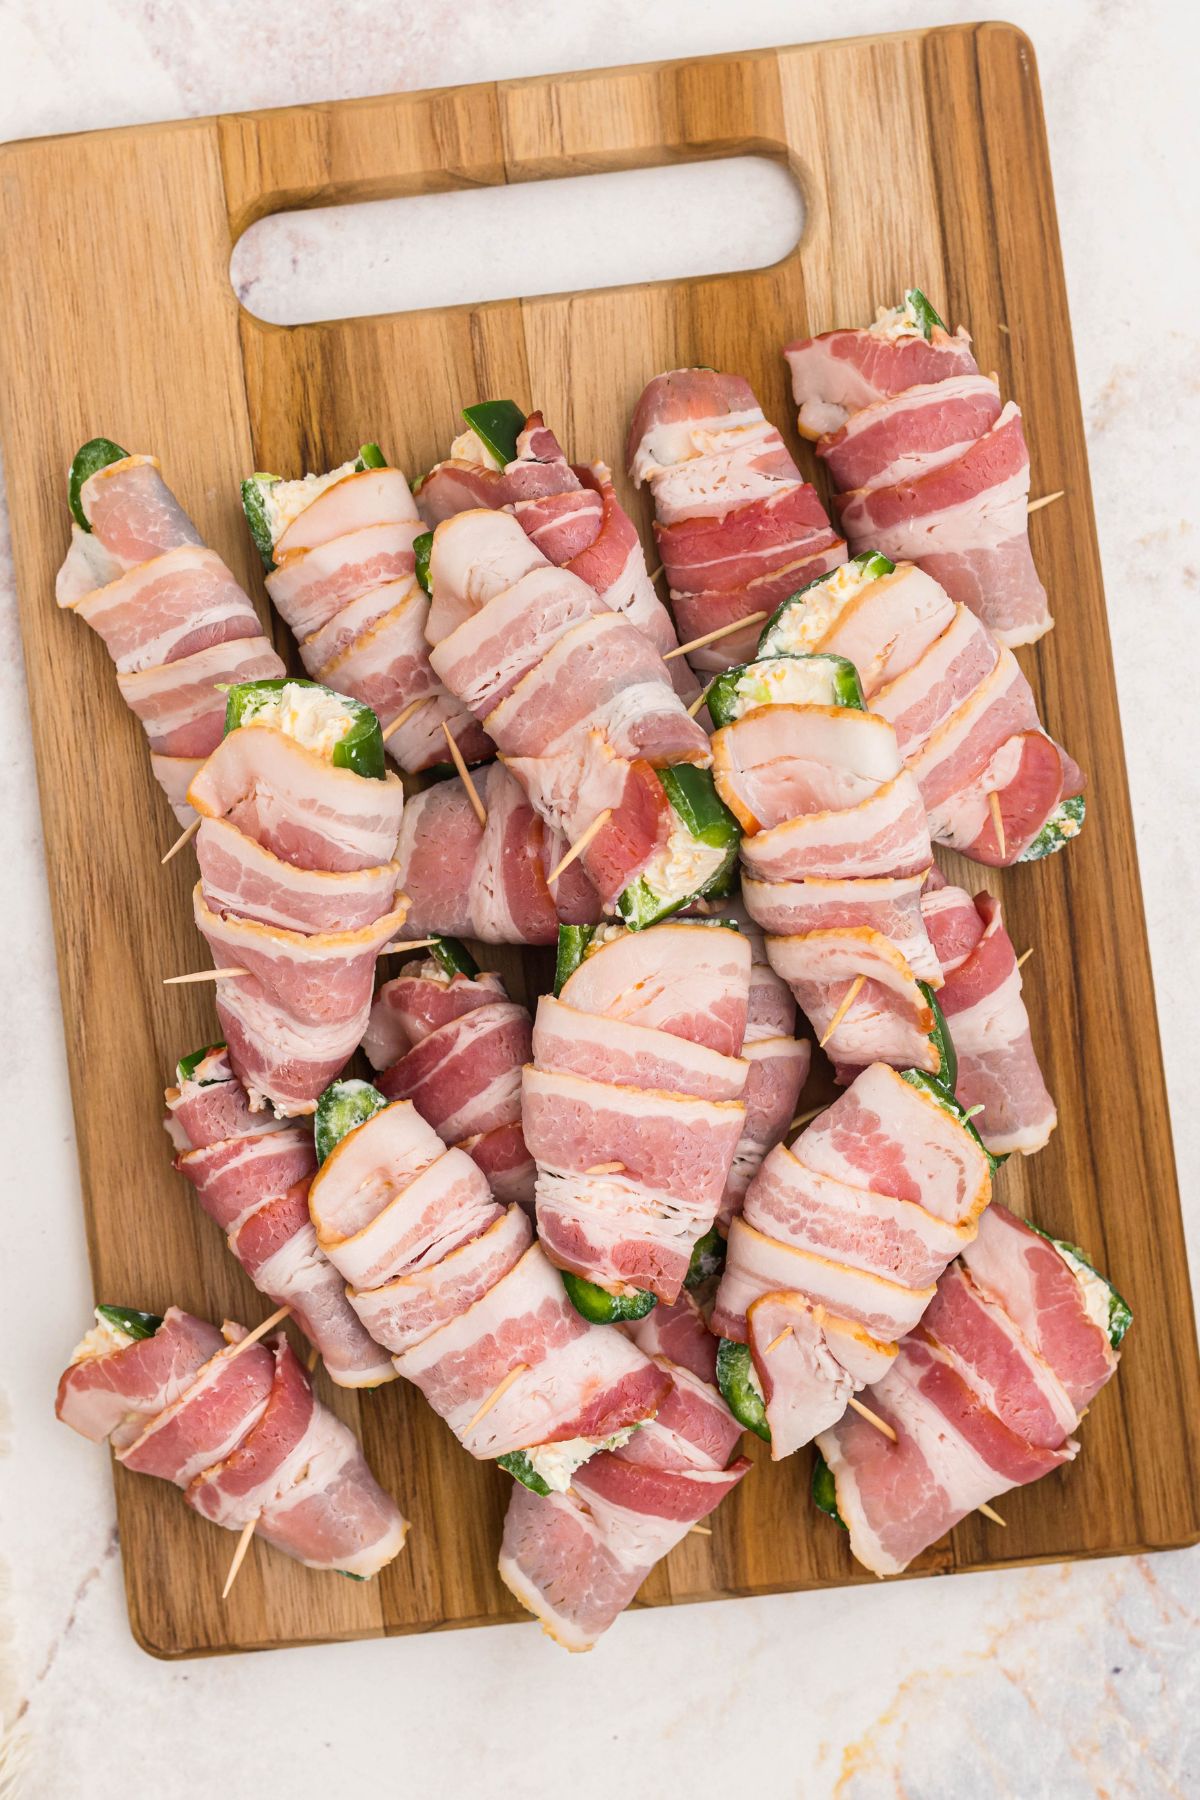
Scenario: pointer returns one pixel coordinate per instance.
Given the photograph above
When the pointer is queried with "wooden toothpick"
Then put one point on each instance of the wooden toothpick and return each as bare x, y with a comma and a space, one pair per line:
997, 821
408, 944
872, 1418
401, 718
1036, 506
700, 1531
239, 1555
710, 637
312, 1359
580, 845
203, 975
609, 1168
1025, 956
806, 1118
698, 702
185, 836
850, 996
496, 1394
776, 1341
465, 776
252, 1337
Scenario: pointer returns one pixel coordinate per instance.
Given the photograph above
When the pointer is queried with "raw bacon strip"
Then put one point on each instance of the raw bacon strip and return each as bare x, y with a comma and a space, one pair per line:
738, 528
806, 777
634, 1123
455, 1045
999, 1079
301, 1474
177, 624
241, 1432
573, 517
1048, 1299
239, 875
965, 719
897, 1137
341, 576
838, 1247
298, 888
966, 524
837, 374
110, 1390
696, 984
296, 804
577, 1559
778, 1068
932, 468
132, 517
908, 434
254, 1184
578, 701
448, 1281
487, 882
983, 1397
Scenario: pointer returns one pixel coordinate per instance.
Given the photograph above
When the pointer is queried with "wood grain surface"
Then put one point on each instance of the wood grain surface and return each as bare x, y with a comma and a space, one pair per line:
923, 159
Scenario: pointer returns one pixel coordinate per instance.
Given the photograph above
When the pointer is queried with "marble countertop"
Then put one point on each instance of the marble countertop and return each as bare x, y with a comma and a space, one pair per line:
1063, 1682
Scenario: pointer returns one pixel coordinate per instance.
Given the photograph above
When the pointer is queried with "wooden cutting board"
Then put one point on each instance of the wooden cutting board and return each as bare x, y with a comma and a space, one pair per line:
923, 159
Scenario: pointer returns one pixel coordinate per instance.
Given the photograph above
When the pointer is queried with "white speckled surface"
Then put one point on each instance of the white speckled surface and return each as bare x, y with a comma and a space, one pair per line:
1055, 1682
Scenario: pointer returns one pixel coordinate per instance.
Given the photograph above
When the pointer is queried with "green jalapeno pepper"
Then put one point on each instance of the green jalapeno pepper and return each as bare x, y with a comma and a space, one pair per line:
97, 453
735, 1378
133, 1324
600, 1307
519, 1466
832, 681
360, 749
824, 1489
342, 1107
697, 805
497, 424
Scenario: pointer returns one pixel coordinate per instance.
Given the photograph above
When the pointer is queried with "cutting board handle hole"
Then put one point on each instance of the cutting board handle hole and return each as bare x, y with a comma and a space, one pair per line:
532, 237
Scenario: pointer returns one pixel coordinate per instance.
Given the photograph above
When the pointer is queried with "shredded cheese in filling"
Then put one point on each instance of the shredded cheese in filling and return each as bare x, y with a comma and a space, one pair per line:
313, 716
1097, 1295
683, 864
101, 1340
604, 934
803, 627
784, 681
895, 322
469, 447
284, 501
557, 1463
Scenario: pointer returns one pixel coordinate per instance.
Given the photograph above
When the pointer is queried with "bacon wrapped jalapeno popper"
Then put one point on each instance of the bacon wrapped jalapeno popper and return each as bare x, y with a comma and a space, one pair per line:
840, 1241
932, 467
983, 1396
996, 787
487, 881
576, 1558
338, 550
581, 708
512, 461
737, 525
299, 821
448, 1038
633, 1105
175, 621
251, 1173
453, 1285
240, 1431
835, 852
